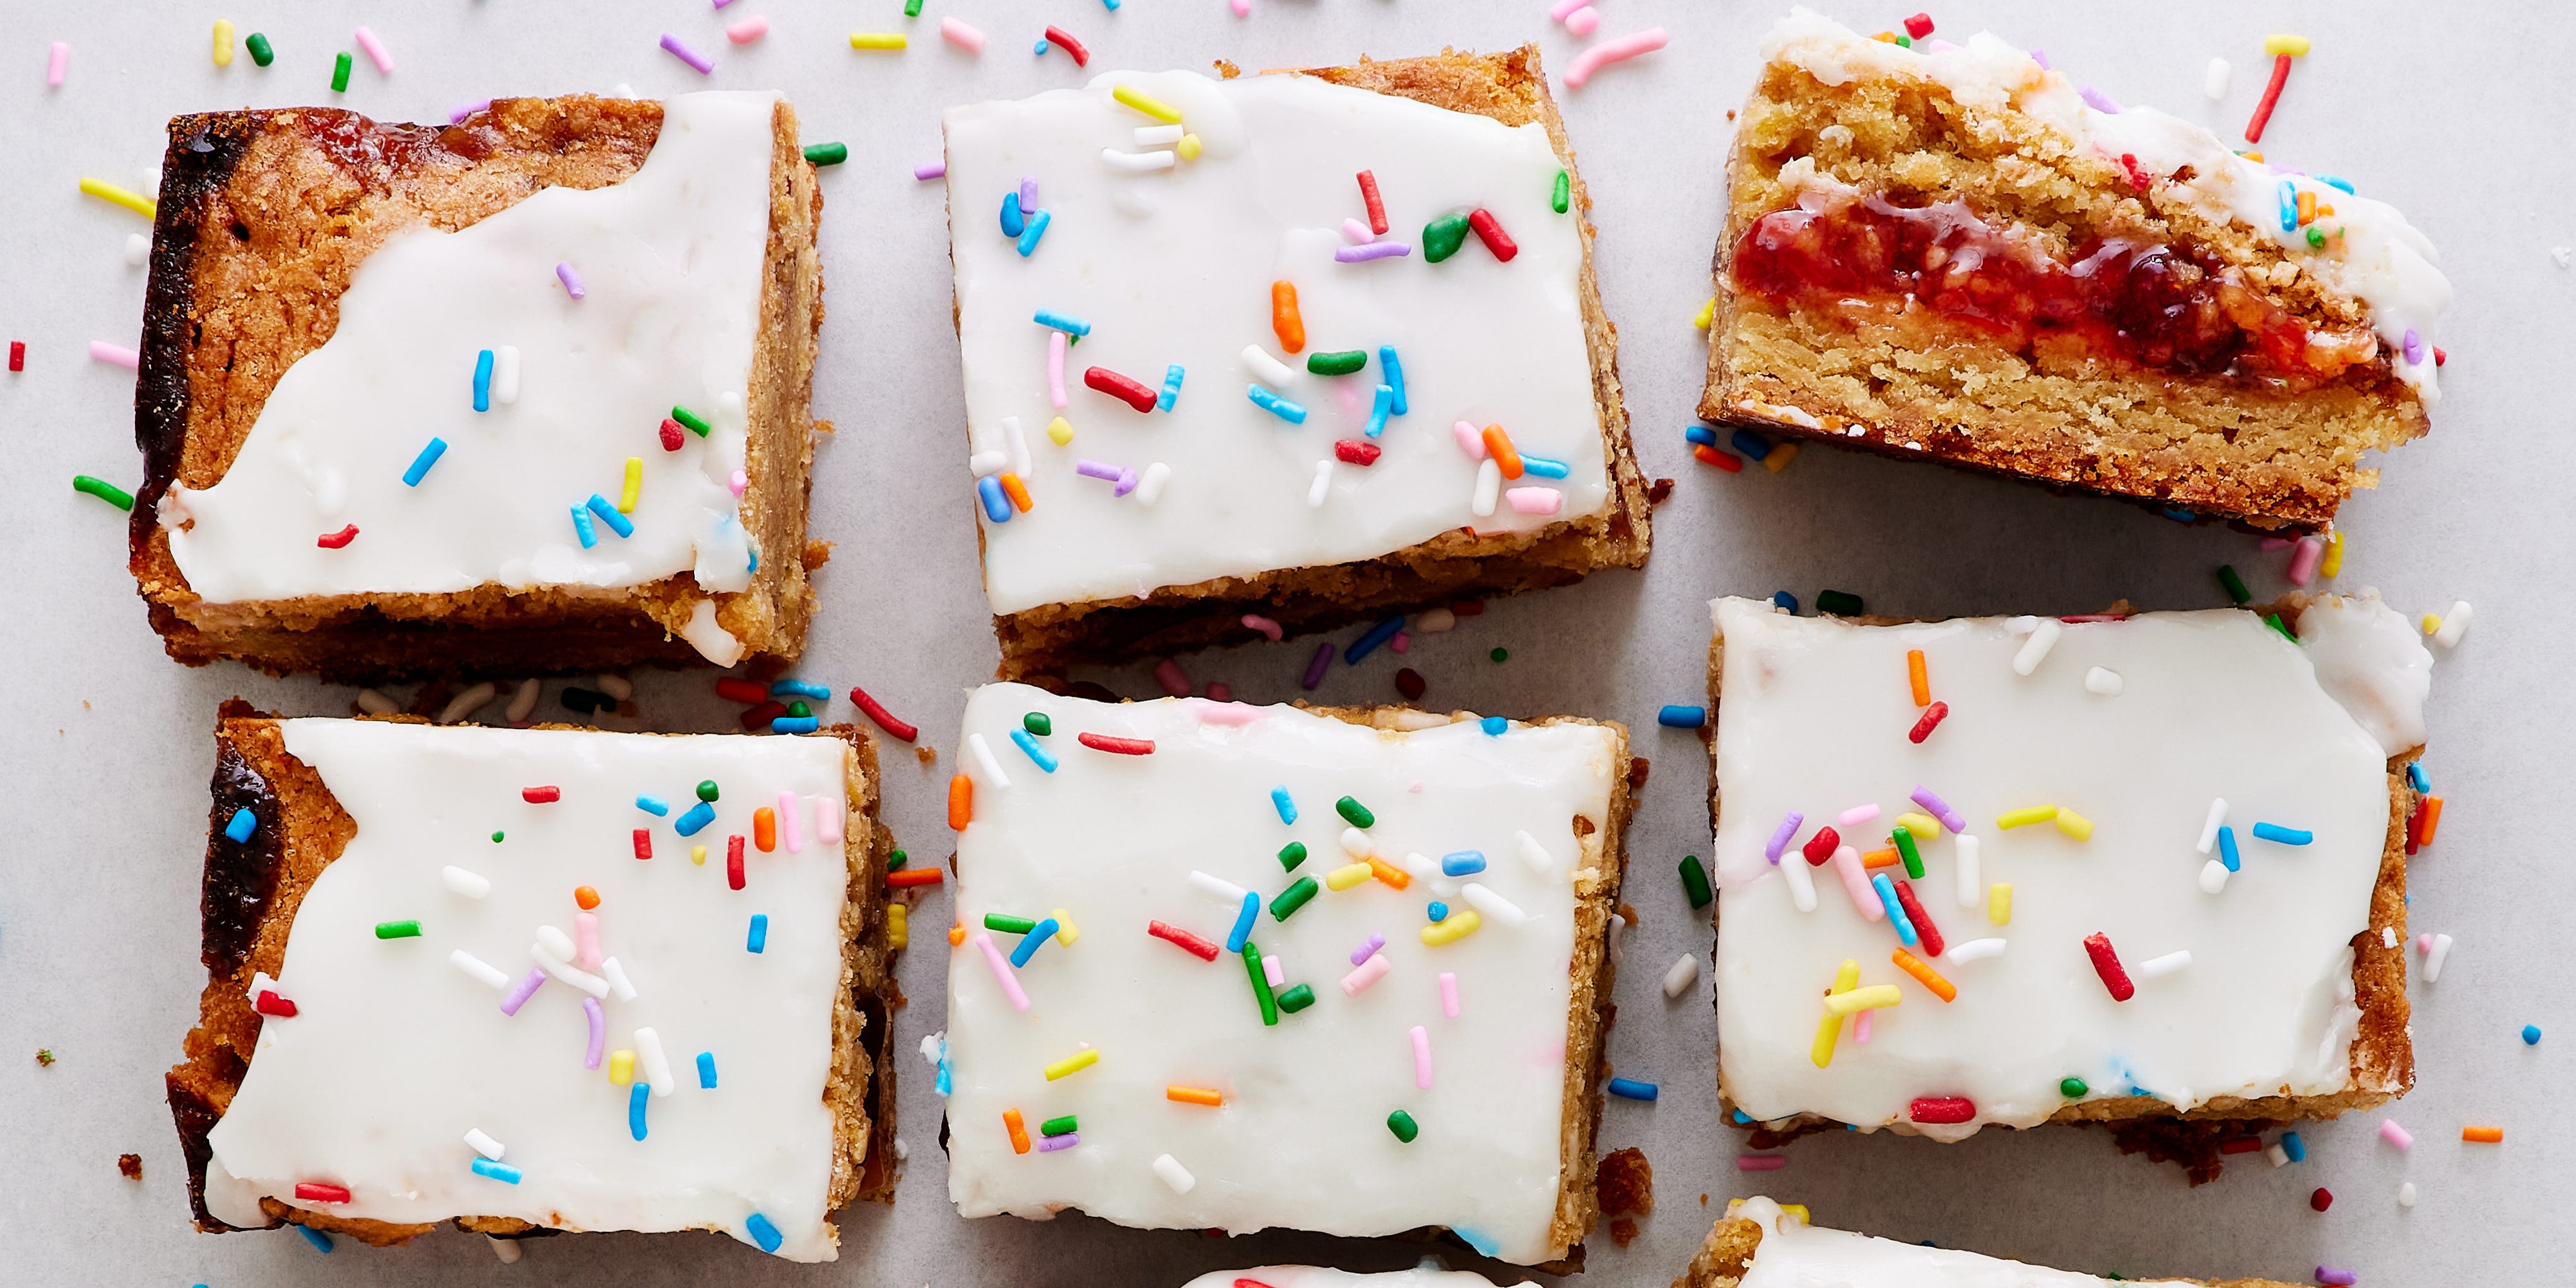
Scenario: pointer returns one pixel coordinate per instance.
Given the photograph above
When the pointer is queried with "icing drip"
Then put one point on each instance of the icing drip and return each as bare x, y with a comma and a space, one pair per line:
2371, 661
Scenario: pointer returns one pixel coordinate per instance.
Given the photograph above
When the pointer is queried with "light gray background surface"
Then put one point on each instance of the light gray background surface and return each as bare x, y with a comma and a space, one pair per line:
2457, 114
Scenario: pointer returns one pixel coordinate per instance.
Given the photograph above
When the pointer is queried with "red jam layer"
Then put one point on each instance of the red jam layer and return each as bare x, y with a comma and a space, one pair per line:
2158, 306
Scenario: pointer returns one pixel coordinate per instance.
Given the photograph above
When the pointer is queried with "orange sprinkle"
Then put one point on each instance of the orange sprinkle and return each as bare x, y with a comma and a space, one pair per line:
1389, 873
956, 936
1925, 975
1880, 858
2307, 208
1193, 1095
902, 877
586, 897
1922, 682
1019, 1131
2427, 820
1499, 446
1013, 488
1284, 320
764, 828
961, 802
2483, 1135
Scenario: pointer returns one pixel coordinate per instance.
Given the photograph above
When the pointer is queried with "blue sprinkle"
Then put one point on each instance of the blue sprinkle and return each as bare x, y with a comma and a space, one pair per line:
762, 1232
2415, 775
2531, 1035
1243, 923
2182, 516
483, 381
2337, 181
2294, 1147
1036, 229
1381, 403
1895, 911
795, 724
1367, 644
695, 821
1013, 222
502, 1172
1753, 446
1386, 360
1064, 322
801, 689
2227, 848
706, 1070
1676, 716
1495, 725
420, 464
1040, 50
1784, 600
1278, 406
2280, 835
1478, 1239
2289, 206
608, 514
582, 529
1543, 467
1631, 1089
1039, 934
1439, 911
1171, 387
321, 1242
1462, 864
240, 827
635, 1098
759, 939
997, 507
653, 805
1742, 1117
1287, 808
946, 1082
754, 552
1111, 3
1037, 753
1701, 435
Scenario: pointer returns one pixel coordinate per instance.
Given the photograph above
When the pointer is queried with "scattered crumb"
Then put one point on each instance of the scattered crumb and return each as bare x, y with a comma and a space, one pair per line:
1628, 913
1627, 1182
1703, 1200
1227, 70
925, 753
44, 1056
1658, 492
1623, 1231
130, 1166
1730, 114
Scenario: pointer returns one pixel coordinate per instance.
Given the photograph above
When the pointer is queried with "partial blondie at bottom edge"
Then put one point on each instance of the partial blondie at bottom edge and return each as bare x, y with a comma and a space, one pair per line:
1728, 1254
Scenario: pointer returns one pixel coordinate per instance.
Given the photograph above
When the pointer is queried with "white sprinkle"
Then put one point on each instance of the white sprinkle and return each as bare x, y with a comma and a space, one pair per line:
1173, 1174
985, 464
1972, 889
2020, 625
469, 884
1533, 853
2441, 952
983, 751
2209, 826
2165, 965
1223, 891
2558, 253
1857, 815
2102, 681
2406, 1194
2213, 877
260, 982
524, 702
1155, 136
1489, 489
2388, 936
931, 1045
615, 686
657, 1064
1323, 485
376, 704
2034, 650
1975, 950
1435, 621
468, 702
1017, 441
556, 942
485, 1145
138, 248
2455, 624
1493, 905
1802, 884
1355, 843
506, 1249
2280, 1157
1272, 371
505, 374
1683, 973
1138, 162
2214, 83
901, 1150
478, 968
623, 987
1149, 486
567, 972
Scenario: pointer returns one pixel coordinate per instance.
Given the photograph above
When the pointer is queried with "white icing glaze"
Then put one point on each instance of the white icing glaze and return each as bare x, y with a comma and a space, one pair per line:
395, 1054
670, 261
2373, 662
2380, 260
1175, 267
1426, 1275
1814, 715
1301, 1140
1794, 1254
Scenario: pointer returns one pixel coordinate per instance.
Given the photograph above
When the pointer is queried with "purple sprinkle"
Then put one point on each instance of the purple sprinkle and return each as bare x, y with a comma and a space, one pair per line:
458, 116
1940, 809
2336, 1275
2040, 56
570, 279
1091, 469
1374, 250
522, 991
1028, 192
934, 170
2414, 346
1360, 955
720, 3
687, 55
1315, 669
598, 1032
1126, 482
1780, 839
2100, 101
1053, 1143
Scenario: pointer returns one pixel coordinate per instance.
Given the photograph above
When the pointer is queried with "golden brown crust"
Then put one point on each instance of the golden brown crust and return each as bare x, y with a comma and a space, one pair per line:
1511, 88
265, 216
1728, 1253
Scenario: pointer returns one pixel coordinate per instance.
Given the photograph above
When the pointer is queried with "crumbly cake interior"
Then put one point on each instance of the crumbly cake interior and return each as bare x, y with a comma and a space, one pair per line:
1889, 375
264, 218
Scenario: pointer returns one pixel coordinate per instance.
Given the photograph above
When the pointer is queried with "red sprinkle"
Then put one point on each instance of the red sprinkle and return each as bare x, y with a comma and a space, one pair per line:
1932, 717
733, 862
1923, 928
335, 540
2240, 1145
885, 719
1351, 451
316, 1192
1490, 231
2440, 359
671, 439
1727, 461
1467, 607
1118, 746
1376, 207
736, 689
1943, 1109
2262, 117
1081, 56
643, 843
2322, 1199
1410, 683
763, 714
2137, 176
18, 355
541, 795
1819, 848
1919, 26
1195, 946
270, 1003
913, 877
1120, 387
2106, 964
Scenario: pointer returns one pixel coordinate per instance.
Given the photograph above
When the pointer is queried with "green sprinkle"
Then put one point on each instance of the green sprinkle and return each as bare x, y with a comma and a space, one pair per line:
2273, 620
826, 153
1297, 998
45, 1056
1292, 854
1007, 924
397, 930
2072, 1088
1839, 603
1402, 1124
1260, 983
2233, 585
895, 861
1905, 42
1695, 881
1340, 362
1500, 654
1064, 1126
1354, 813
1564, 191
340, 73
496, 838
1442, 237
1036, 722
912, 8
260, 52
2316, 238
797, 710
697, 424
707, 790
1905, 850
103, 490
1292, 898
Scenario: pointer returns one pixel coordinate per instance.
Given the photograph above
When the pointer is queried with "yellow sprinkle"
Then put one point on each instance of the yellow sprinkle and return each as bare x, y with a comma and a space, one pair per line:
2251, 156
1830, 1027
2281, 43
898, 926
1798, 1210
1461, 923
1147, 103
131, 200
1923, 826
1345, 878
2333, 562
877, 40
634, 484
2021, 817
698, 855
2074, 825
1065, 931
223, 42
1707, 314
621, 1067
1075, 1063
1060, 431
1781, 455
1999, 903
2432, 622
1190, 147
1863, 999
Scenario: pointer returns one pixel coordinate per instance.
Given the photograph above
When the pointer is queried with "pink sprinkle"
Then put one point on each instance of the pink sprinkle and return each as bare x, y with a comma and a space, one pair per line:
789, 834
2395, 1135
687, 55
1421, 1053
458, 116
1613, 51
1257, 622
827, 820
2424, 942
2275, 543
1357, 233
1534, 500
1557, 12
1857, 815
598, 1032
1583, 21
1002, 971
1763, 1162
1471, 440
1864, 898
2303, 564
1369, 972
1168, 674
1055, 368
1271, 970
56, 63
959, 34
1402, 642
375, 51
1220, 691
740, 482
1221, 711
1860, 1027
747, 30
1242, 7
585, 940
934, 170
102, 351
1449, 994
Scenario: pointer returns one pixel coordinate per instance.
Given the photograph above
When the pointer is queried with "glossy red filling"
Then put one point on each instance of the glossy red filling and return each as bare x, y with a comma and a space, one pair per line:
2157, 305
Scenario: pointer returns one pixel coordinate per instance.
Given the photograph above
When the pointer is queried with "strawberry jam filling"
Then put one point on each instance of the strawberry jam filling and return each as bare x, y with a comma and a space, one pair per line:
2155, 305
